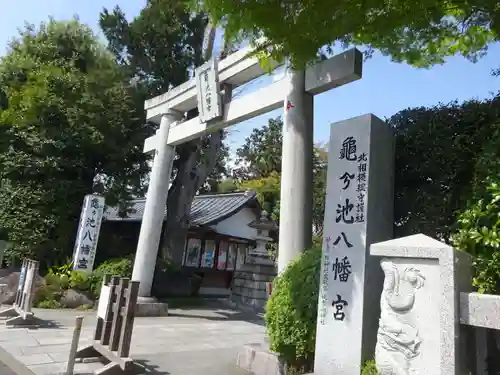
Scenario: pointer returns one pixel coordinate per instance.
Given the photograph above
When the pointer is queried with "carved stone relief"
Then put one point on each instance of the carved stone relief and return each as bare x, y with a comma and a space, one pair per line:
398, 339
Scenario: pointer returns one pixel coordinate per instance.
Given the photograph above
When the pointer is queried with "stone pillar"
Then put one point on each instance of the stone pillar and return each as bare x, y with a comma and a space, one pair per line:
154, 211
295, 232
358, 212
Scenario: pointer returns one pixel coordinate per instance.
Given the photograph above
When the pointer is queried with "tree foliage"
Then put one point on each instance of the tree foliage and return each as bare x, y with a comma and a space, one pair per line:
260, 155
479, 235
268, 192
478, 231
421, 33
443, 156
258, 168
160, 49
66, 130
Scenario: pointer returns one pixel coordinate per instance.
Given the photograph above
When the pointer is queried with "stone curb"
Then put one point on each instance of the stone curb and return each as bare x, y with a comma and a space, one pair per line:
13, 364
258, 360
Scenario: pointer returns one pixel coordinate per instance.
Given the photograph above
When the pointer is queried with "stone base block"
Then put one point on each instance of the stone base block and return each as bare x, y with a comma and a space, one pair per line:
151, 307
258, 360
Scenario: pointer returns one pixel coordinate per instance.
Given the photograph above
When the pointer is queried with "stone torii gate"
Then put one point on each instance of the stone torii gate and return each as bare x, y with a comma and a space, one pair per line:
295, 93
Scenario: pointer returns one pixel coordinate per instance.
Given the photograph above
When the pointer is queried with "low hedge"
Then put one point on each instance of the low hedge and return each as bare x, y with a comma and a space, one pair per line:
291, 311
61, 278
291, 314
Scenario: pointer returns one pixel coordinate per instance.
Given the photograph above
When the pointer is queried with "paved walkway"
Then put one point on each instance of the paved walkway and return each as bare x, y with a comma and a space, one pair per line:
202, 341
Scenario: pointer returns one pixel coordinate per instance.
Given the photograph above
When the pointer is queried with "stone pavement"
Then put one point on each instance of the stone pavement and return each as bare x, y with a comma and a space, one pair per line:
201, 341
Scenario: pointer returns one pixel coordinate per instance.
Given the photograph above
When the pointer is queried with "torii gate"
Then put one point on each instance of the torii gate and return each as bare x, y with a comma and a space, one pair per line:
295, 93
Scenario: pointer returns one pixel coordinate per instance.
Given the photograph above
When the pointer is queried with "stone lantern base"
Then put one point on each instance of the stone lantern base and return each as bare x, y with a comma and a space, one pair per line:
250, 285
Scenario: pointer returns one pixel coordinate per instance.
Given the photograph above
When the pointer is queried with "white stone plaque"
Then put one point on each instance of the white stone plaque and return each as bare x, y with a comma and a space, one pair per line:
358, 212
22, 276
88, 233
29, 280
208, 91
103, 301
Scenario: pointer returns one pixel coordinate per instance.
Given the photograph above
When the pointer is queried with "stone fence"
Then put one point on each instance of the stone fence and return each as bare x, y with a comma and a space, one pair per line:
430, 320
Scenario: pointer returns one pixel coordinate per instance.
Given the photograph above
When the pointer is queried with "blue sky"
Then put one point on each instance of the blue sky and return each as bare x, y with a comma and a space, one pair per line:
385, 88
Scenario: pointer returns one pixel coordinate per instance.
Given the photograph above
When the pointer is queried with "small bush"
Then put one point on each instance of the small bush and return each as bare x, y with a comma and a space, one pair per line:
95, 283
369, 368
79, 280
85, 307
116, 267
291, 312
64, 270
53, 280
121, 267
51, 290
49, 304
479, 235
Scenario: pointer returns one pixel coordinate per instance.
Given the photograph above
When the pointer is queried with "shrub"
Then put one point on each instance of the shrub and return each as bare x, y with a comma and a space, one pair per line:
49, 304
50, 290
121, 267
64, 270
53, 280
479, 235
116, 267
291, 311
85, 307
369, 368
95, 283
79, 280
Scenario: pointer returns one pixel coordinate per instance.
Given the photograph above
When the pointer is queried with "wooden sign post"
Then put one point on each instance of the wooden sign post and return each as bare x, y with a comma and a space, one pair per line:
115, 322
20, 312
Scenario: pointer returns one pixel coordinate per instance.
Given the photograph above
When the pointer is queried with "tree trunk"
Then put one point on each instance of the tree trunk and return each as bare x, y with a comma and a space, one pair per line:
197, 159
190, 177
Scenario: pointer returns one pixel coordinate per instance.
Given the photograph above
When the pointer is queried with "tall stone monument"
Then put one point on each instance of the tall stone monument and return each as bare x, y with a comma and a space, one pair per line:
358, 212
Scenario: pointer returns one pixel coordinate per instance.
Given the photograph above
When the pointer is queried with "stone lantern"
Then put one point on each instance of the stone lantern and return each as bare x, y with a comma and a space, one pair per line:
252, 281
259, 254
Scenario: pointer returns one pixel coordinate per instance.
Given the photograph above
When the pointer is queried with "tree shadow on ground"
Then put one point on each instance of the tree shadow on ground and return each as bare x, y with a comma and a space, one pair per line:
143, 366
221, 315
35, 324
218, 310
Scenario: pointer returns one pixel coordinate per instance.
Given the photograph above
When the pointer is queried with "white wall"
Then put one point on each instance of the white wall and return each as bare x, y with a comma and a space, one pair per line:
237, 225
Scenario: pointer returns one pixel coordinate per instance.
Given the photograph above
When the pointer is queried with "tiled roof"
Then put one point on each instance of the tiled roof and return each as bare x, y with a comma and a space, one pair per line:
205, 210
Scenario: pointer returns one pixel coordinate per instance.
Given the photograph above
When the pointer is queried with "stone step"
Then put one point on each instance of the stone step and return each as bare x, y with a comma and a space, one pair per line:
257, 359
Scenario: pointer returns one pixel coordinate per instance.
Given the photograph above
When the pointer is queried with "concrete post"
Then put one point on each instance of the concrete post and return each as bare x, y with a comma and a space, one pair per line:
154, 211
295, 231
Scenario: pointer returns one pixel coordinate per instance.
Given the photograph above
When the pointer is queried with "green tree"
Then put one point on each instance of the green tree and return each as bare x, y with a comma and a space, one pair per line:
268, 192
159, 49
421, 33
66, 130
227, 185
260, 155
443, 156
478, 231
258, 167
479, 235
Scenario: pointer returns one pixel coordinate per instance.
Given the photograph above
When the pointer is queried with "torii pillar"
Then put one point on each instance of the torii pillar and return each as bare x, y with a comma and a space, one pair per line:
296, 201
